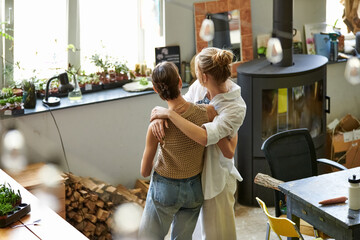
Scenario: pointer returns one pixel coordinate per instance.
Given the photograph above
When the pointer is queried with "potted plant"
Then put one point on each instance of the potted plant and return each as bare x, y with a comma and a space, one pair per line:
87, 82
11, 206
121, 71
8, 195
9, 101
40, 85
103, 65
29, 93
118, 75
5, 209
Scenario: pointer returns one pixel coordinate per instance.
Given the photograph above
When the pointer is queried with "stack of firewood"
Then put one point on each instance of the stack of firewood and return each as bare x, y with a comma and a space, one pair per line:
90, 204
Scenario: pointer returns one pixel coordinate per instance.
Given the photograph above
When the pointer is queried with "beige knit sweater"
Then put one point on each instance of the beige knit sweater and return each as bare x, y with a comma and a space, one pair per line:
180, 157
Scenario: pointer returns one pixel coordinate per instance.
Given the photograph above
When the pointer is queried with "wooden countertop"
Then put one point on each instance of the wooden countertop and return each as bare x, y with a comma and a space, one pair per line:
51, 226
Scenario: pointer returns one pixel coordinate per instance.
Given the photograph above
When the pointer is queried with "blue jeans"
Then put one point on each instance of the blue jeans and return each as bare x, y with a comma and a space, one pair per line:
171, 201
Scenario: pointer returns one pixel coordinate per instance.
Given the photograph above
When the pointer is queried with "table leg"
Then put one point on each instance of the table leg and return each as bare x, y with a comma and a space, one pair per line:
293, 218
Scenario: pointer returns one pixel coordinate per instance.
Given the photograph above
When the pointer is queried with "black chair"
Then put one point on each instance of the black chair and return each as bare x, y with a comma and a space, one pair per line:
291, 155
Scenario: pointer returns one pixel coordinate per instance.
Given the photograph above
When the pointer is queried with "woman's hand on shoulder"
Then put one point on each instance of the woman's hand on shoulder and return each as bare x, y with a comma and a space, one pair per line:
158, 128
159, 112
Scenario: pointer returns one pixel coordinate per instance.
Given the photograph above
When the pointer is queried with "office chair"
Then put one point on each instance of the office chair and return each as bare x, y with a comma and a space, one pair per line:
279, 225
291, 155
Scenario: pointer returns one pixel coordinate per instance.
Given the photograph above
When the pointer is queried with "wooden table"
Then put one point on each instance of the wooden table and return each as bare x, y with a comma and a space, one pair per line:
304, 195
29, 178
51, 226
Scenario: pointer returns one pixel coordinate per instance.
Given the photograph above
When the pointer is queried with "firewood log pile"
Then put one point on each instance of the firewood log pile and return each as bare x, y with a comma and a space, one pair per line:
90, 204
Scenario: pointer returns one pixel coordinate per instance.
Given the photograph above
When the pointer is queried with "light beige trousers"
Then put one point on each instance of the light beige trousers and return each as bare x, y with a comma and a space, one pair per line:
217, 215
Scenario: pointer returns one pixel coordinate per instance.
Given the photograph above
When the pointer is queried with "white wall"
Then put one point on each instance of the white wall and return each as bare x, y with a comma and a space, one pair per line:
179, 27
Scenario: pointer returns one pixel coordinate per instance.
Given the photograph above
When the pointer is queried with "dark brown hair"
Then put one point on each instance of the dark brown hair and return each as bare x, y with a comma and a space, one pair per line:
165, 78
215, 62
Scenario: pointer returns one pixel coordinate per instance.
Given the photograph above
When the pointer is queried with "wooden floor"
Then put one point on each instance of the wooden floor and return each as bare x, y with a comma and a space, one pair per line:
250, 224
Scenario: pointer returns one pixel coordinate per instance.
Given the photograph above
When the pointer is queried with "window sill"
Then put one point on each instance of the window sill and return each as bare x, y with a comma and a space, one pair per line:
341, 60
87, 99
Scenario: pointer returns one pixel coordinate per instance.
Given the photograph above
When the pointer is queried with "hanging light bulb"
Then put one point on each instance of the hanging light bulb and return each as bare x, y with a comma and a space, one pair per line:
13, 155
207, 30
127, 219
274, 52
50, 175
352, 71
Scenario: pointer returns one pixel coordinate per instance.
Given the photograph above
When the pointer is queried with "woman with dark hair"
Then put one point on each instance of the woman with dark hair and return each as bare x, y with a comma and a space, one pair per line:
175, 194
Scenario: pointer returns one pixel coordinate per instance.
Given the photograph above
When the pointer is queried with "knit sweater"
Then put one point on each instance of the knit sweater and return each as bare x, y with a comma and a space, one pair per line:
180, 157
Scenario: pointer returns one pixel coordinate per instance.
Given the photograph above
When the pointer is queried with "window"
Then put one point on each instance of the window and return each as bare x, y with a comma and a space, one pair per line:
126, 31
334, 14
40, 38
108, 28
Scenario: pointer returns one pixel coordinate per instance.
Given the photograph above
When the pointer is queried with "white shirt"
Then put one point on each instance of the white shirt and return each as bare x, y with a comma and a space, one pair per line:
231, 110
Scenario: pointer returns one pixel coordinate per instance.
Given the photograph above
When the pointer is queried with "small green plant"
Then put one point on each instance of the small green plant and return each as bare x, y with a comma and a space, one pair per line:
104, 64
144, 81
40, 84
89, 79
120, 68
8, 195
5, 208
82, 77
6, 93
3, 30
9, 100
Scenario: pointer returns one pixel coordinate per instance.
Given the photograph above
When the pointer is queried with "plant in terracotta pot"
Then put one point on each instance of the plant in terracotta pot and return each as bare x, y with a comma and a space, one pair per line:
112, 75
93, 79
9, 101
14, 102
15, 86
121, 71
82, 80
103, 64
87, 82
40, 85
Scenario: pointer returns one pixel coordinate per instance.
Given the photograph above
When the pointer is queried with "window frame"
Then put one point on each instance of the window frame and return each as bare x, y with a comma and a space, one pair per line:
6, 15
73, 34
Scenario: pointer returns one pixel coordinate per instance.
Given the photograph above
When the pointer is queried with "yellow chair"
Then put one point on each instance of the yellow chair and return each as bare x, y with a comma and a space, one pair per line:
280, 226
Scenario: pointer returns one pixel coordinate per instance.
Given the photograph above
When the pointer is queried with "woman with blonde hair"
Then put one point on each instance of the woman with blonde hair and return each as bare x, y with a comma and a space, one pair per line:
213, 86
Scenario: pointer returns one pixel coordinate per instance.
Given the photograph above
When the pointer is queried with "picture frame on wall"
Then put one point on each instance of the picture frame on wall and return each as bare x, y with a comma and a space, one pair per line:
170, 54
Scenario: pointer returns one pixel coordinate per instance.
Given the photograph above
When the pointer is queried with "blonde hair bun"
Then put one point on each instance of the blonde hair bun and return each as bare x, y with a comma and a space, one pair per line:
216, 62
222, 57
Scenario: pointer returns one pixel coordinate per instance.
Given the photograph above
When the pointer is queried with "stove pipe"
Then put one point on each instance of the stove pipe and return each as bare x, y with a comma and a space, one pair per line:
283, 29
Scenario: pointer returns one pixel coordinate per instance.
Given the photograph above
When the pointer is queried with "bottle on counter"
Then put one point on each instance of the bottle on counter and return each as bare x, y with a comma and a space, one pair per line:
354, 193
